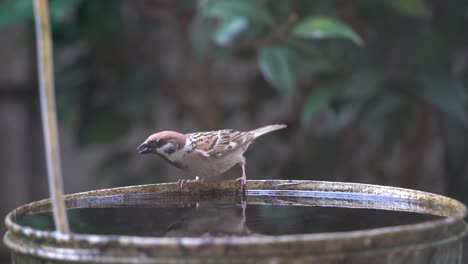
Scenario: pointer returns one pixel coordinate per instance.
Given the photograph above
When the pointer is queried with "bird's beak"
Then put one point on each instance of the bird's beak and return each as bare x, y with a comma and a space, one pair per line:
145, 148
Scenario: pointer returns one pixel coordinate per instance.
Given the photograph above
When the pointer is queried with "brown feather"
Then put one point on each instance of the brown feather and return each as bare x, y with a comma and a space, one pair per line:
217, 143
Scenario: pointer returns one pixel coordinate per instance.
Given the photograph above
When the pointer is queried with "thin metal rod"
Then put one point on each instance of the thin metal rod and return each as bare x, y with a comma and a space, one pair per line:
48, 113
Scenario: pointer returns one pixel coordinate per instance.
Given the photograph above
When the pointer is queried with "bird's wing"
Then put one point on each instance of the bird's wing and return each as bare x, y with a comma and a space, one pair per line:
217, 143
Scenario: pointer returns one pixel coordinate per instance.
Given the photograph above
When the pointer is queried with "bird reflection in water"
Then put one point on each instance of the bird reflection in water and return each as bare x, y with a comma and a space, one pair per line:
208, 219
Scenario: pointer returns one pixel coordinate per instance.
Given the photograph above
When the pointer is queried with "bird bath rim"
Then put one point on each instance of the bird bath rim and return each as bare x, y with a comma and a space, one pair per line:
450, 228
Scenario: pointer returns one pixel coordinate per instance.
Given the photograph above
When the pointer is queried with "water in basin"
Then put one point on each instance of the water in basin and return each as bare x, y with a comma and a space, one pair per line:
259, 214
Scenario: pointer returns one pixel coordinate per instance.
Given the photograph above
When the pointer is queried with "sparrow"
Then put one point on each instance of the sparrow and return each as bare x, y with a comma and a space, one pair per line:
205, 154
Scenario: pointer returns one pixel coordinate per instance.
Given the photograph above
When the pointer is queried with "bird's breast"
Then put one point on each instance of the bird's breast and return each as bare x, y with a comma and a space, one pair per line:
202, 166
175, 163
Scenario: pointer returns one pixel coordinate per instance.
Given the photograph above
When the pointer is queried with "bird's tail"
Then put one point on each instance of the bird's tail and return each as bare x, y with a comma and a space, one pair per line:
267, 129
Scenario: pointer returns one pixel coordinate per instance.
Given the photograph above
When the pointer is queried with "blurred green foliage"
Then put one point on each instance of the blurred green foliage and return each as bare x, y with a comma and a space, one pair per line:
407, 66
382, 67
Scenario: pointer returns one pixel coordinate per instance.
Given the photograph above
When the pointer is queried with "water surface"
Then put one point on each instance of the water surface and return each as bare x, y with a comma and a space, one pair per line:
155, 215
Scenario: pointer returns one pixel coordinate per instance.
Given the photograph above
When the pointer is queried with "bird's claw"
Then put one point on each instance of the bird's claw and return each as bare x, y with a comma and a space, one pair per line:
182, 182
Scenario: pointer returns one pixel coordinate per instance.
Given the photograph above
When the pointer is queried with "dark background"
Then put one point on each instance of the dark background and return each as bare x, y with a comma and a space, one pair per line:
371, 91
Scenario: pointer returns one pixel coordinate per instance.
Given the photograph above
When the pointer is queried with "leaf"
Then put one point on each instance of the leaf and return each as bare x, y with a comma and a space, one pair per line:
229, 30
13, 11
279, 66
228, 9
319, 99
445, 93
321, 27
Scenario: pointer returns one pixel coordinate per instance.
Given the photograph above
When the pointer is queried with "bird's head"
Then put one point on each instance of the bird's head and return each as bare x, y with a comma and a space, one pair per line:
163, 143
